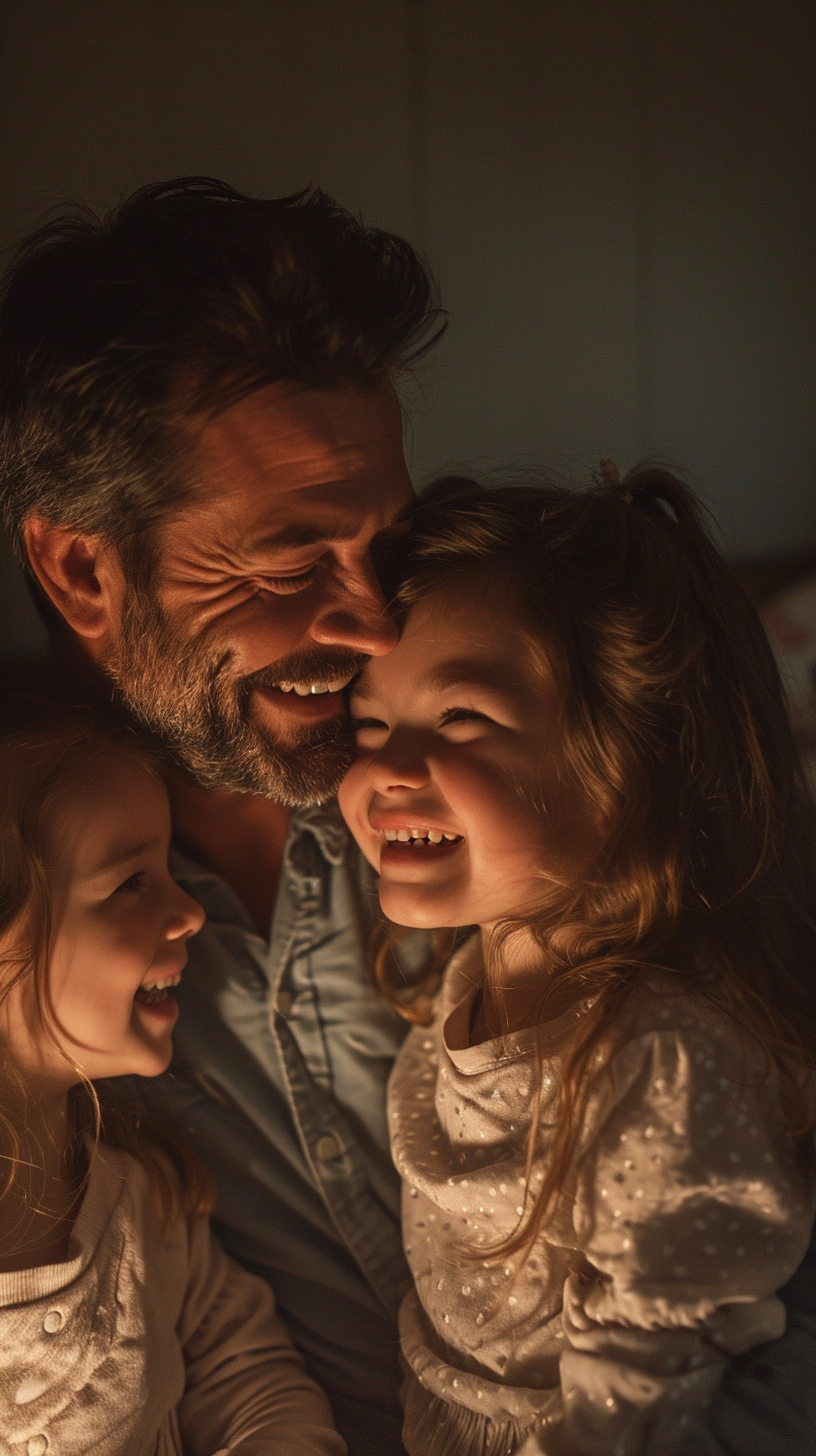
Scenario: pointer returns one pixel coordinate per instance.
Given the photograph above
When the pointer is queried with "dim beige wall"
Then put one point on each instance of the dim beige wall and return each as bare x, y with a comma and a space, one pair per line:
618, 196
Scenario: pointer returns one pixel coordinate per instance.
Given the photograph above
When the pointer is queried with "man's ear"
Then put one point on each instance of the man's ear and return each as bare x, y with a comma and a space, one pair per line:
82, 575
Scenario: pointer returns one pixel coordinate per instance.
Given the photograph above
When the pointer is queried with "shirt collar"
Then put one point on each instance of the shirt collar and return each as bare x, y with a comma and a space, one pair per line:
325, 822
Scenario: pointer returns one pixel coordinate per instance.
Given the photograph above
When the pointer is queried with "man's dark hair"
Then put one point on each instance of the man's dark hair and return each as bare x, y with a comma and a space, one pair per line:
185, 298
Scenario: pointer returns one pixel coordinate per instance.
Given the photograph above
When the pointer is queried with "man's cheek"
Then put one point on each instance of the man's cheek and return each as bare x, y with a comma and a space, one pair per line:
265, 630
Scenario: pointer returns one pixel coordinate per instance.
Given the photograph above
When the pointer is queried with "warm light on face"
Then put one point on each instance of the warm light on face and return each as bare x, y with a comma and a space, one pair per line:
457, 795
121, 927
267, 598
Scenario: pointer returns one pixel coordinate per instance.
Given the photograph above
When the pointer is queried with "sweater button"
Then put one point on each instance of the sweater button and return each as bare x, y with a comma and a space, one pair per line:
52, 1322
327, 1148
36, 1445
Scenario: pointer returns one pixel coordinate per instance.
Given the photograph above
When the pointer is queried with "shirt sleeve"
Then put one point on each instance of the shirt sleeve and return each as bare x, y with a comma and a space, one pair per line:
246, 1389
689, 1214
766, 1404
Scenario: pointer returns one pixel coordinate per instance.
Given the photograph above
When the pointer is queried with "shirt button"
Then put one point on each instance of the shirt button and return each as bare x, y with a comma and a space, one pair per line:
52, 1322
36, 1445
283, 1003
327, 1148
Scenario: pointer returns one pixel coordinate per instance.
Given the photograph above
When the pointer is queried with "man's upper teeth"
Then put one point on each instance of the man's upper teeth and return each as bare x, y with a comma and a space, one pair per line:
304, 690
161, 983
405, 835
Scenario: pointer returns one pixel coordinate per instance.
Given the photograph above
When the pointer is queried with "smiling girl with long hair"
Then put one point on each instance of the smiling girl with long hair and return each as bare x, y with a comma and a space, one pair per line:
604, 1126
124, 1328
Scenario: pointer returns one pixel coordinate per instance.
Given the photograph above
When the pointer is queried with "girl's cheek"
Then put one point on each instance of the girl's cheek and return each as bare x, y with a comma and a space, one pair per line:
352, 794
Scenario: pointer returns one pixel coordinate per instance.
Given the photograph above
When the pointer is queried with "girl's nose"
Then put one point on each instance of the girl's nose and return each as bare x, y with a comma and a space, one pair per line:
187, 916
399, 764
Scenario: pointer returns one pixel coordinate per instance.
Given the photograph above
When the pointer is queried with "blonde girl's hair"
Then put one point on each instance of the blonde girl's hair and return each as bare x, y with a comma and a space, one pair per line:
674, 727
45, 748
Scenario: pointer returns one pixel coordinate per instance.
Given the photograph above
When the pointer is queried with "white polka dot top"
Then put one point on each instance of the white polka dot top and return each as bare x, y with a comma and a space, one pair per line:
683, 1214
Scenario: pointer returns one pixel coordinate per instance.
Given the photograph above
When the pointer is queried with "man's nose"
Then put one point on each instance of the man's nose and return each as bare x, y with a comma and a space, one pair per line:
354, 615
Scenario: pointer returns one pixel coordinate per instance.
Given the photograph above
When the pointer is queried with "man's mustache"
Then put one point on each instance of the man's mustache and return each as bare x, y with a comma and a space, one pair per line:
313, 666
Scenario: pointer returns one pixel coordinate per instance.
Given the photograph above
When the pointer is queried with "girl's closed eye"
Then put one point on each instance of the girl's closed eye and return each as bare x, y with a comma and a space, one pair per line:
452, 717
133, 882
369, 732
360, 723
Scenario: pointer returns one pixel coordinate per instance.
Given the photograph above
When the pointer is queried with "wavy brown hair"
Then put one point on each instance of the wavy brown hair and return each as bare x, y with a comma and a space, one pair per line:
119, 332
674, 727
44, 748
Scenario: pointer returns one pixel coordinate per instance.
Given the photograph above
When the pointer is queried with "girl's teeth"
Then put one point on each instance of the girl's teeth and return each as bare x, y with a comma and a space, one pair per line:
417, 836
162, 984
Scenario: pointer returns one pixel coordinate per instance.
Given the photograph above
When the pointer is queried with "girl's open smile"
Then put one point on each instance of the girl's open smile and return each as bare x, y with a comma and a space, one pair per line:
457, 754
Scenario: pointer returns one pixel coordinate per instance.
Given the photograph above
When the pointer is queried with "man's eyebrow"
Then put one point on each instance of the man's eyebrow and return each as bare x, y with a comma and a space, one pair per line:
307, 533
300, 534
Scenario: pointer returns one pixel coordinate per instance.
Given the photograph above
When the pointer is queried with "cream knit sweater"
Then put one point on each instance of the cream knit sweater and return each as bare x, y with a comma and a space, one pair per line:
148, 1345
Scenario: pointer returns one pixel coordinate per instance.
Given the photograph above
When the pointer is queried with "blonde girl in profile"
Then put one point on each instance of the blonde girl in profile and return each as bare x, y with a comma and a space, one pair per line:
604, 1125
124, 1328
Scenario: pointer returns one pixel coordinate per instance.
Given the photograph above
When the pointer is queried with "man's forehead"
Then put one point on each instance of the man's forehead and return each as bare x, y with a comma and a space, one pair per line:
288, 438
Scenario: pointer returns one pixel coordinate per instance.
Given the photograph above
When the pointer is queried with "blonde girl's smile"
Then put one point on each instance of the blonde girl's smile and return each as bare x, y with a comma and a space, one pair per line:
121, 926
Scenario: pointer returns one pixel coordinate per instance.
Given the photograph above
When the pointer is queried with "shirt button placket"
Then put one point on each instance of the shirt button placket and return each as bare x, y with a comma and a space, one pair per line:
283, 1003
53, 1321
37, 1445
327, 1148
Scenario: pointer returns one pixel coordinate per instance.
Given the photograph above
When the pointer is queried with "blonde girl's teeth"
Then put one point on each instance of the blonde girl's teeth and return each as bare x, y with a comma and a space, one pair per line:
390, 834
435, 836
161, 984
403, 835
450, 836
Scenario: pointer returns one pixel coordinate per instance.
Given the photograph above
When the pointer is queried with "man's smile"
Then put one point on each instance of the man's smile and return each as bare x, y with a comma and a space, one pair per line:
326, 702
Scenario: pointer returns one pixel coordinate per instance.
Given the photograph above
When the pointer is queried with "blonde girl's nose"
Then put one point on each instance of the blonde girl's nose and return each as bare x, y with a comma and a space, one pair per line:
187, 915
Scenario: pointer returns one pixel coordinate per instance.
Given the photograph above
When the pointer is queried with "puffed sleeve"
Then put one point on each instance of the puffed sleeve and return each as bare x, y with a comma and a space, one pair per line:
689, 1213
766, 1404
247, 1391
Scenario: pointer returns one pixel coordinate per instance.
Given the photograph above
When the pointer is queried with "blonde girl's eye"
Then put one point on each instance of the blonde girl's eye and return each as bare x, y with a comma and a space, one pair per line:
452, 717
133, 882
368, 731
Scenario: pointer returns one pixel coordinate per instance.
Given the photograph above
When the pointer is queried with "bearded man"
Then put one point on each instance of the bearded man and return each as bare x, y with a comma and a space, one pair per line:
201, 467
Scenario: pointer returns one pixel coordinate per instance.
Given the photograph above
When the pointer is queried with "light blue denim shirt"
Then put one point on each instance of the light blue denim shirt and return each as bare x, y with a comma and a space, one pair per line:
282, 1054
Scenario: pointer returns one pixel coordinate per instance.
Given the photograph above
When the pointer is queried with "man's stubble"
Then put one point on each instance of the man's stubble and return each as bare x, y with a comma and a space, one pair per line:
199, 712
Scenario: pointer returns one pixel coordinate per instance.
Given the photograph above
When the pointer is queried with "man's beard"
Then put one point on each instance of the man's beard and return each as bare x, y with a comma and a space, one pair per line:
200, 713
